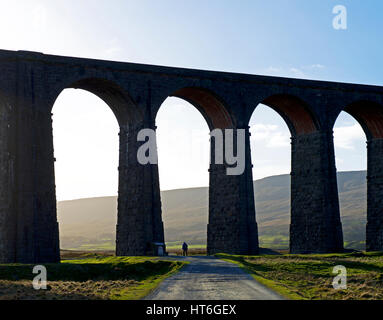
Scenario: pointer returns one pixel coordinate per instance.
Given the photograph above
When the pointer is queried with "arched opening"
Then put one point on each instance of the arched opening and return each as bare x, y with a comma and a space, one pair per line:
183, 163
351, 163
183, 122
359, 201
270, 154
86, 144
272, 124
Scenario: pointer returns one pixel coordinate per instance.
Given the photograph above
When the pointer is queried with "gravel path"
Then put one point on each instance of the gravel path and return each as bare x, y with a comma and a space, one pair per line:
209, 278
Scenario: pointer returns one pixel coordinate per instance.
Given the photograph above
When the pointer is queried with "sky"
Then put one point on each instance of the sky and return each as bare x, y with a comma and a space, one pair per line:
291, 38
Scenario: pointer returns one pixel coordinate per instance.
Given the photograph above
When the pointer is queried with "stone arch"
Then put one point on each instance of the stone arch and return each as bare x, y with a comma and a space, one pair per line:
359, 156
212, 107
295, 112
310, 163
112, 94
369, 115
217, 116
128, 117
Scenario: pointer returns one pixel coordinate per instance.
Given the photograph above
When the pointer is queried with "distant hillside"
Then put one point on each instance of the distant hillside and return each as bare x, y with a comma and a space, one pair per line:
90, 223
272, 198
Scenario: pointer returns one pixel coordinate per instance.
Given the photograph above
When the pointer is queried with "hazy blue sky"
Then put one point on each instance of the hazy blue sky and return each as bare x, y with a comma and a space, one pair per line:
275, 37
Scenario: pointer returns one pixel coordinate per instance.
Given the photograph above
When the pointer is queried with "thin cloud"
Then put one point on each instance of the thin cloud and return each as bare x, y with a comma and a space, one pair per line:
296, 72
270, 134
273, 71
39, 17
315, 66
346, 136
279, 140
283, 72
114, 49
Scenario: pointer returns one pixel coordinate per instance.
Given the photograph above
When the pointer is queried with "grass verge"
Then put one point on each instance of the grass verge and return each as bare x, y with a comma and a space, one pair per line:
310, 276
98, 277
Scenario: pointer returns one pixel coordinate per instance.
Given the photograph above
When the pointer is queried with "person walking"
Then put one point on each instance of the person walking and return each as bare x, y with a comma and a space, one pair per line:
184, 249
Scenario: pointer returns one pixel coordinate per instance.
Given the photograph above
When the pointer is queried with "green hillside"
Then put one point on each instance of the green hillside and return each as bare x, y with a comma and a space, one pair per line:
90, 223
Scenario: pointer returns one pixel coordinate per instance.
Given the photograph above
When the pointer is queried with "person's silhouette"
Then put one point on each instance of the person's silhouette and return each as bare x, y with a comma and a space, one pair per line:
184, 249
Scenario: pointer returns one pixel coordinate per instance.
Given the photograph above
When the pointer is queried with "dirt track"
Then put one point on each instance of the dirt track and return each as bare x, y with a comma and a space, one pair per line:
209, 278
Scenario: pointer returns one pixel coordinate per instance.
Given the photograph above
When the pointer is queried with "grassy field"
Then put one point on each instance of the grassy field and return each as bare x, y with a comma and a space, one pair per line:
88, 276
310, 276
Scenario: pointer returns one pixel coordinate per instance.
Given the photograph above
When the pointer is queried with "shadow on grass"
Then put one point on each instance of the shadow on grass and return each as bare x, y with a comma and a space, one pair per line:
24, 291
74, 271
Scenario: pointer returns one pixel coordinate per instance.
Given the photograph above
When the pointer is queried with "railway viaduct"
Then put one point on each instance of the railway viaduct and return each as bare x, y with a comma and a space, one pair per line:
30, 82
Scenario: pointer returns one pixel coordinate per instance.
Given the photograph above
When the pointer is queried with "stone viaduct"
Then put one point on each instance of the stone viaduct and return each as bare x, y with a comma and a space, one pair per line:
30, 82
